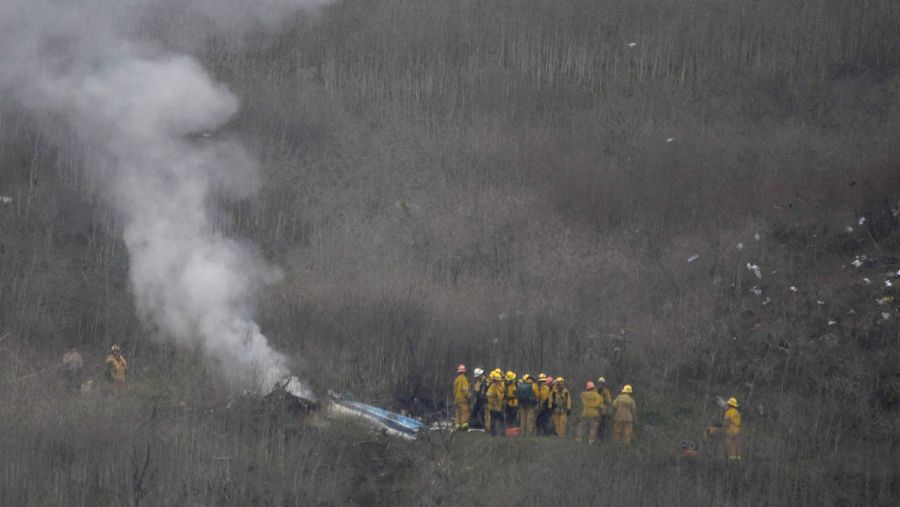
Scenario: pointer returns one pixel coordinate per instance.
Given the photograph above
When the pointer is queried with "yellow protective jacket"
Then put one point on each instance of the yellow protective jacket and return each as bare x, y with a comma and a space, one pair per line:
562, 400
511, 399
607, 400
732, 421
116, 367
591, 401
543, 396
461, 388
495, 396
625, 408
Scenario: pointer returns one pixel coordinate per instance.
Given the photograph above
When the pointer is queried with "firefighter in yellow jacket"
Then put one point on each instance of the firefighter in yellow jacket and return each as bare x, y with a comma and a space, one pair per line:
461, 397
732, 426
495, 396
591, 401
511, 416
115, 368
542, 421
562, 406
624, 415
528, 393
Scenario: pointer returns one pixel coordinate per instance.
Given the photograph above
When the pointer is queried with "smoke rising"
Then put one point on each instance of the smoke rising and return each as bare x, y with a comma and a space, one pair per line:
88, 67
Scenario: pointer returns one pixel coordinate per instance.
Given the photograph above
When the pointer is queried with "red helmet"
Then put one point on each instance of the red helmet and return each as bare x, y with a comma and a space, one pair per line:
461, 368
589, 386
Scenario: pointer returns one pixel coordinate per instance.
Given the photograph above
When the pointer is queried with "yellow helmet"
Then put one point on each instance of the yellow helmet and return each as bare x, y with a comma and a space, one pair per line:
495, 375
733, 402
510, 375
542, 377
559, 380
526, 377
627, 389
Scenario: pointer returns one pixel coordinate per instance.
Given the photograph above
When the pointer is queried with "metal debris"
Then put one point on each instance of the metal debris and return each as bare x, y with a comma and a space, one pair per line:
756, 236
832, 322
693, 257
792, 288
885, 315
848, 229
387, 422
740, 246
766, 301
670, 140
756, 290
866, 281
886, 300
857, 263
632, 44
5, 200
862, 220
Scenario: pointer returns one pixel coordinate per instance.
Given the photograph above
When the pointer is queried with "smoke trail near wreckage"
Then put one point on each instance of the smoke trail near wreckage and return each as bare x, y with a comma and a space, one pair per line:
135, 110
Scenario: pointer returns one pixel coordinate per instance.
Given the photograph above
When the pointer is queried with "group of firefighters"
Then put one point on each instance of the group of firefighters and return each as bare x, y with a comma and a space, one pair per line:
499, 402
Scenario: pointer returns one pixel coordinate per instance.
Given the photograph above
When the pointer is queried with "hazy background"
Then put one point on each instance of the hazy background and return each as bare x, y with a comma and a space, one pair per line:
505, 184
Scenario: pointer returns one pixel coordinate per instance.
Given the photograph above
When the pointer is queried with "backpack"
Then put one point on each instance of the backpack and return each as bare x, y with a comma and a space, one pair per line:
525, 394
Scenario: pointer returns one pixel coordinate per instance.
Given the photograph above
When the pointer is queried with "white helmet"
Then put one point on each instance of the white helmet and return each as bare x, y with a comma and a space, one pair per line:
479, 372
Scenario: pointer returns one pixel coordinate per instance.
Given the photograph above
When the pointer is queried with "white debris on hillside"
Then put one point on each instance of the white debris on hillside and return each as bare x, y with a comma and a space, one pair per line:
753, 268
693, 257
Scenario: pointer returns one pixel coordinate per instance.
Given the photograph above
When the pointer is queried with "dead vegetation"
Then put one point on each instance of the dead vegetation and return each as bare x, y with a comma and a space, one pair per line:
503, 184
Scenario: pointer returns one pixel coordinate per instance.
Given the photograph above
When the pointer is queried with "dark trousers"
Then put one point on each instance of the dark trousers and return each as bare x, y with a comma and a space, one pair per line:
476, 420
496, 423
542, 422
511, 417
601, 427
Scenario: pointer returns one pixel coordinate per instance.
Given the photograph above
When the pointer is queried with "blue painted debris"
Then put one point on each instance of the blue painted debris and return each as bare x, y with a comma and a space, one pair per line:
390, 423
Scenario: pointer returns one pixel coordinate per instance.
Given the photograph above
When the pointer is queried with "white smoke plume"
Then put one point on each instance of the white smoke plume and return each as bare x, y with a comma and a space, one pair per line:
135, 108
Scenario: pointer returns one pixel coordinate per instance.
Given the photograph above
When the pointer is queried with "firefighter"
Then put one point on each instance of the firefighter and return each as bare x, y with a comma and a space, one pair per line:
732, 427
527, 393
604, 393
591, 402
461, 397
625, 413
476, 420
562, 406
511, 415
115, 369
495, 396
542, 421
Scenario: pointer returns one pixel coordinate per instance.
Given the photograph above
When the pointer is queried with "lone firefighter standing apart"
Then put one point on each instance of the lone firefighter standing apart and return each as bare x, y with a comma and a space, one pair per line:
732, 425
461, 395
115, 369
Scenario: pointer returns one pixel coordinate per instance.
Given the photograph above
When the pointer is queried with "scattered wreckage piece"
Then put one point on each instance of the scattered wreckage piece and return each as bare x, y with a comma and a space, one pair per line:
387, 422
